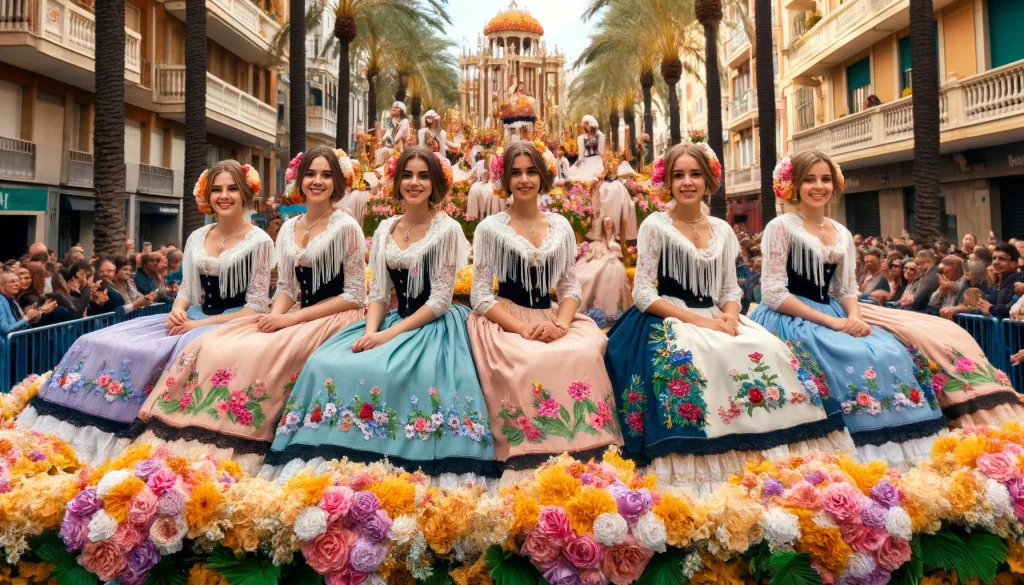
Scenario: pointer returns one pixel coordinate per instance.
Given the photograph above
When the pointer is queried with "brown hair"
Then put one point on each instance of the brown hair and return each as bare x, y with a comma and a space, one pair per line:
233, 168
802, 163
686, 148
525, 148
438, 184
332, 161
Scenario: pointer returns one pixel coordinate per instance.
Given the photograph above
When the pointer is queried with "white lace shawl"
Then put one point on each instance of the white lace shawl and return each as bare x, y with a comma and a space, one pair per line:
443, 251
498, 251
709, 271
339, 247
786, 233
233, 267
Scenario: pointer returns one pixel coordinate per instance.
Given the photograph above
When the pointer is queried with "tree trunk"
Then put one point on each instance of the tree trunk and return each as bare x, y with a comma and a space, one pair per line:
344, 91
195, 111
765, 104
671, 72
630, 117
417, 107
647, 83
714, 95
108, 139
371, 98
927, 194
297, 77
403, 83
613, 129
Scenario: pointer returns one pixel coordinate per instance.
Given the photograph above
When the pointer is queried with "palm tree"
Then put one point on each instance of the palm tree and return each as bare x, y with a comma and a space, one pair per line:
709, 14
765, 103
927, 196
629, 97
296, 76
646, 83
108, 137
195, 109
613, 122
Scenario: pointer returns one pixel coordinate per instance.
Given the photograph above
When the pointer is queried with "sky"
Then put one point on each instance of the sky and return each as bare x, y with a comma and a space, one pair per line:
560, 19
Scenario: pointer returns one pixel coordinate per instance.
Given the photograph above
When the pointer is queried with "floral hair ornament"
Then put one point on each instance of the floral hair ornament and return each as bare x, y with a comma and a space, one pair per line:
498, 169
252, 180
446, 169
347, 169
713, 162
390, 168
782, 180
291, 189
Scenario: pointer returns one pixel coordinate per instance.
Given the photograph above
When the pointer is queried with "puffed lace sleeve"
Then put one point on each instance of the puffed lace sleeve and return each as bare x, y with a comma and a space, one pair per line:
257, 294
354, 263
452, 249
568, 287
190, 288
774, 280
482, 297
286, 283
731, 291
846, 285
648, 249
380, 282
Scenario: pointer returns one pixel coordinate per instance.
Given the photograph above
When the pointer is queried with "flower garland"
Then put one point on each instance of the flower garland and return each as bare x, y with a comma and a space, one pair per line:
782, 179
575, 205
252, 179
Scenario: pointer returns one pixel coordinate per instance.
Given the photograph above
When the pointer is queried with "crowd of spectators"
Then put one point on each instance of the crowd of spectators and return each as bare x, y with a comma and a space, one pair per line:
40, 289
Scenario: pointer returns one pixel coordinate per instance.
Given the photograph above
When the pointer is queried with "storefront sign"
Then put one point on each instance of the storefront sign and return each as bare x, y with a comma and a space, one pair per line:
22, 199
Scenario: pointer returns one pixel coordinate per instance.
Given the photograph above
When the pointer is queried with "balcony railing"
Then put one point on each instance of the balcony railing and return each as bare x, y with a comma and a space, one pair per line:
250, 17
321, 120
15, 15
17, 159
80, 169
744, 179
737, 42
837, 26
743, 105
156, 180
221, 97
988, 96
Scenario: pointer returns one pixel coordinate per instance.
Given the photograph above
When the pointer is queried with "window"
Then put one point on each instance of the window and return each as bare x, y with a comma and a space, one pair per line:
799, 24
746, 148
858, 84
742, 83
804, 108
905, 80
1005, 21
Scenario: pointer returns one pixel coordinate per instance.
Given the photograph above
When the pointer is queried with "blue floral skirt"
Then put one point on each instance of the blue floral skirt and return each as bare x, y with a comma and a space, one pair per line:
415, 400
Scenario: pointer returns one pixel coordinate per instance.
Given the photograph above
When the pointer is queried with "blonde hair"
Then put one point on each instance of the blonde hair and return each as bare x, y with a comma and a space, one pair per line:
802, 163
233, 168
686, 148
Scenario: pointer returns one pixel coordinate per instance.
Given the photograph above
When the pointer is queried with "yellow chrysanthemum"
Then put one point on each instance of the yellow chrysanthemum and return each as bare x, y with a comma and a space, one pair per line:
444, 520
968, 450
556, 486
864, 476
179, 465
716, 572
940, 578
202, 574
824, 545
203, 507
1015, 557
475, 574
397, 497
680, 518
962, 494
308, 488
586, 506
117, 502
131, 456
525, 511
232, 468
1011, 432
401, 576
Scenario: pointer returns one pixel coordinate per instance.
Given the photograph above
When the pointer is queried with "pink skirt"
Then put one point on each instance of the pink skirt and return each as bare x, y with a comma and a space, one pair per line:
544, 399
605, 284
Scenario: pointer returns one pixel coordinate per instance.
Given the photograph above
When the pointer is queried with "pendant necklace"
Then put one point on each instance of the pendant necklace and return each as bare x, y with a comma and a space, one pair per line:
305, 221
693, 226
220, 247
533, 228
409, 229
821, 227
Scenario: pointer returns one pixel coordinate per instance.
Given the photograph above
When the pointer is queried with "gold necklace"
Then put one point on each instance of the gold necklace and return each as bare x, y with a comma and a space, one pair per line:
533, 228
821, 227
305, 221
693, 224
220, 247
409, 229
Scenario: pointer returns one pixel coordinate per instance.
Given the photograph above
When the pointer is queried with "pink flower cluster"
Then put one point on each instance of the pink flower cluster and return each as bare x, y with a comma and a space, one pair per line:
345, 536
658, 171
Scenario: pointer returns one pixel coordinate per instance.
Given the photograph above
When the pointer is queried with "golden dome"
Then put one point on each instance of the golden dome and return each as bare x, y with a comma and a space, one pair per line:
514, 21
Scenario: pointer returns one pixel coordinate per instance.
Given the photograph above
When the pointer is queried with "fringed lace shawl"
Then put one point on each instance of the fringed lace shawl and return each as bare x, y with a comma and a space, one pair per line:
706, 272
499, 252
441, 253
338, 248
244, 267
784, 238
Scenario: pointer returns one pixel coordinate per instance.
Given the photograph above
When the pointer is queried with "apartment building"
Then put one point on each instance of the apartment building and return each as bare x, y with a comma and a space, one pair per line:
47, 108
861, 48
322, 89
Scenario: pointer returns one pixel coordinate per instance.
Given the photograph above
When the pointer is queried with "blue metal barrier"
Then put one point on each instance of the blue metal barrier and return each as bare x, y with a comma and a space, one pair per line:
1013, 337
37, 350
987, 331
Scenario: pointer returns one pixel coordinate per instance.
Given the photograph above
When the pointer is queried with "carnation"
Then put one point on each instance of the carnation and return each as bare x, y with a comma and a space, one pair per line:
859, 565
897, 522
610, 529
74, 531
998, 498
110, 480
171, 503
102, 526
366, 556
364, 505
649, 531
376, 527
403, 529
779, 526
85, 503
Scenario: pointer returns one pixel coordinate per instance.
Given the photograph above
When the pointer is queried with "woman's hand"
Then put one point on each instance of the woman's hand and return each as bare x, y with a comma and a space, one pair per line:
272, 323
730, 319
372, 340
527, 331
548, 332
184, 328
719, 325
176, 317
852, 326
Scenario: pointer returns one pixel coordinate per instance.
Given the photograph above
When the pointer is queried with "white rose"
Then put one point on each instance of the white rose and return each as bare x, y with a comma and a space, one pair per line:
403, 529
610, 529
897, 522
649, 531
110, 481
375, 579
174, 545
780, 527
102, 526
859, 565
310, 523
824, 520
998, 498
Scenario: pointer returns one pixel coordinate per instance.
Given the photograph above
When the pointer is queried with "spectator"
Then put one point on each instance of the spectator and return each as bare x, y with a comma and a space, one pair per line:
108, 272
942, 248
124, 283
977, 277
12, 318
24, 279
35, 294
861, 269
67, 308
37, 248
967, 245
75, 254
858, 240
910, 274
147, 279
1004, 263
897, 284
79, 280
927, 280
873, 277
952, 281
273, 227
981, 254
752, 286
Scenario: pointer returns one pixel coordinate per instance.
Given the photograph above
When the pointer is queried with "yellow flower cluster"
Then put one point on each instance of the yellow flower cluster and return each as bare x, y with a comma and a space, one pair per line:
15, 401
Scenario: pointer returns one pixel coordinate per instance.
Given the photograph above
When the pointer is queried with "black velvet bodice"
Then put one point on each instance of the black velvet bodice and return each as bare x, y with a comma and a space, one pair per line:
400, 280
803, 286
335, 287
670, 287
527, 295
213, 304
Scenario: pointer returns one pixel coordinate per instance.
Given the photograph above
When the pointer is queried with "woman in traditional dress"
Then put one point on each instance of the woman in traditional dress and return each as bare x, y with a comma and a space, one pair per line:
398, 133
101, 383
702, 389
401, 383
590, 166
226, 390
809, 298
602, 275
540, 362
481, 199
431, 123
614, 201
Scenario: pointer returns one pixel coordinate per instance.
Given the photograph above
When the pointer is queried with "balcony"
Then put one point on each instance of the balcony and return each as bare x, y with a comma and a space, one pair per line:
17, 159
322, 122
743, 109
743, 181
57, 38
155, 180
738, 48
849, 29
974, 112
230, 112
80, 169
239, 25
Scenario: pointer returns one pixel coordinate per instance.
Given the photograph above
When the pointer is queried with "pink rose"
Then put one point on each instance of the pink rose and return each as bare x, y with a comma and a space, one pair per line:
540, 550
336, 502
553, 524
328, 552
863, 399
162, 481
127, 537
842, 500
143, 507
584, 552
166, 533
802, 495
1013, 449
346, 576
420, 425
593, 577
998, 466
965, 364
105, 559
863, 538
624, 562
893, 553
870, 374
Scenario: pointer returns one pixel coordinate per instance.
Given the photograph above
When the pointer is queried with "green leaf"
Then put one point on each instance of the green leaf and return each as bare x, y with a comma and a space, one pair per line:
942, 551
987, 552
758, 561
953, 386
563, 413
579, 413
244, 571
169, 406
514, 435
664, 569
169, 571
298, 572
508, 568
440, 576
910, 572
74, 575
791, 568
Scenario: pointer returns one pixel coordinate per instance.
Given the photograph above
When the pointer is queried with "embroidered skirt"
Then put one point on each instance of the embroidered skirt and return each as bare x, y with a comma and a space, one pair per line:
890, 415
700, 403
544, 399
225, 392
414, 400
100, 384
969, 389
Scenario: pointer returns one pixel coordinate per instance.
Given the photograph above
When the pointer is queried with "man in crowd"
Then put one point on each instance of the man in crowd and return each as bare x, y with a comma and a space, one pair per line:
148, 279
873, 277
1004, 264
107, 272
928, 278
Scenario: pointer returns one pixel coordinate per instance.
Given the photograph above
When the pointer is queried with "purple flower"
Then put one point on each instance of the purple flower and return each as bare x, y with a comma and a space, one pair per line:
632, 504
74, 531
36, 455
877, 577
886, 494
561, 574
129, 578
364, 505
873, 515
815, 477
773, 487
366, 556
147, 468
143, 558
85, 503
376, 527
587, 478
